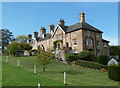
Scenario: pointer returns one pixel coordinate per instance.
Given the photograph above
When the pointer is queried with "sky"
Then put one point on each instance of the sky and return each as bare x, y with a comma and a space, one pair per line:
23, 18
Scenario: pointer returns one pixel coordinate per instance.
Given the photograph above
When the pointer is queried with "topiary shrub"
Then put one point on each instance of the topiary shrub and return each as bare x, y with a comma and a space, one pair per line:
87, 56
114, 72
71, 57
103, 59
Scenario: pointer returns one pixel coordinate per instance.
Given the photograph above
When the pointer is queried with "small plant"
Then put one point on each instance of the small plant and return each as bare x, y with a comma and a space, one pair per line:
44, 58
71, 57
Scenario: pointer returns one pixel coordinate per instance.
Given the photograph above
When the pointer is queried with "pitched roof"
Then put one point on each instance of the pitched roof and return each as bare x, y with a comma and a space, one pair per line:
47, 36
105, 40
78, 26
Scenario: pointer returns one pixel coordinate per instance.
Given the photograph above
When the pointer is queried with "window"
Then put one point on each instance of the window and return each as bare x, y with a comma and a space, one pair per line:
98, 51
61, 36
66, 35
98, 43
105, 44
47, 42
56, 37
74, 33
97, 35
75, 42
89, 42
88, 33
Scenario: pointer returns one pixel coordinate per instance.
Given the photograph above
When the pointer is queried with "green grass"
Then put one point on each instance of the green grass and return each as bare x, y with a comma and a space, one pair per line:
76, 76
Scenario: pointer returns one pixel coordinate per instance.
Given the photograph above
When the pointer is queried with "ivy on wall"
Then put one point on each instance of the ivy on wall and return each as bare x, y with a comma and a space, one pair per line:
55, 43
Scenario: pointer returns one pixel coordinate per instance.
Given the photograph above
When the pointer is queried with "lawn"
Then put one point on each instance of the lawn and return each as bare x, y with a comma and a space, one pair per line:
76, 76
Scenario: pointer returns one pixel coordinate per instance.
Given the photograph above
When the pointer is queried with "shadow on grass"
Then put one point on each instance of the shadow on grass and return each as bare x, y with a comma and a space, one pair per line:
70, 72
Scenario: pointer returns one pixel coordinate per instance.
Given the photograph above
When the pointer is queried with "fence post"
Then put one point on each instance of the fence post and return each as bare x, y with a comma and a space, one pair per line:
35, 68
18, 63
64, 78
6, 59
38, 85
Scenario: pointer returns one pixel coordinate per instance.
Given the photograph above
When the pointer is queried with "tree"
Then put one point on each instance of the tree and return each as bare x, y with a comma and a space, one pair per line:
114, 50
103, 59
44, 58
21, 39
15, 46
6, 37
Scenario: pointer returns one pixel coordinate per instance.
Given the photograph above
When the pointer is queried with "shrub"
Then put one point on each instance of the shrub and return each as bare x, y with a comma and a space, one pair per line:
87, 56
114, 72
74, 62
103, 59
71, 57
91, 64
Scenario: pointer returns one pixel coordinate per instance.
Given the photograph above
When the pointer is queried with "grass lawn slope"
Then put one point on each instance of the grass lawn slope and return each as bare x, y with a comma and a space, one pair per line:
76, 76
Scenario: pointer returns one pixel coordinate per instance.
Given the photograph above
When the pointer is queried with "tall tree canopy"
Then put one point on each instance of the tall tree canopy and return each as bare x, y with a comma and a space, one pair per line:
114, 50
5, 38
15, 46
22, 38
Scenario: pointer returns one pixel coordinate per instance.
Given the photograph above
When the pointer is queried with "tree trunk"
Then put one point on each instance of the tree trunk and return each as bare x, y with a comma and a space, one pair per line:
43, 68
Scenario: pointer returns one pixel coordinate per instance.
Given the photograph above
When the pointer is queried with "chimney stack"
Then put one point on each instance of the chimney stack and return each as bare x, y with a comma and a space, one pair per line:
29, 36
82, 16
51, 28
35, 34
42, 31
61, 22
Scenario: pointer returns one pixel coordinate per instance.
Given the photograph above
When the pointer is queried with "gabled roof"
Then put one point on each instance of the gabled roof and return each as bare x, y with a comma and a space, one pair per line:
47, 36
105, 40
78, 26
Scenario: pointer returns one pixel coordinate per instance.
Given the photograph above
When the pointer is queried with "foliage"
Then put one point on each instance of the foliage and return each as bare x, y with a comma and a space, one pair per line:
15, 46
114, 72
21, 38
87, 56
71, 57
114, 50
44, 58
6, 37
103, 59
33, 52
55, 43
92, 65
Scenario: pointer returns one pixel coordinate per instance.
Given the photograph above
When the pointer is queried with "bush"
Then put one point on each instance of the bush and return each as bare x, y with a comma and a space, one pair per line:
71, 57
87, 56
103, 59
114, 72
92, 65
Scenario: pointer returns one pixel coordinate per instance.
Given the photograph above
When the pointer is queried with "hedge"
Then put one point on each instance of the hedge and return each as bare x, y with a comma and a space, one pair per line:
114, 72
92, 65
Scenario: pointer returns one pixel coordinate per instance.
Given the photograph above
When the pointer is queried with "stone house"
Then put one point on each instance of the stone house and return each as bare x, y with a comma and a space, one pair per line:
76, 38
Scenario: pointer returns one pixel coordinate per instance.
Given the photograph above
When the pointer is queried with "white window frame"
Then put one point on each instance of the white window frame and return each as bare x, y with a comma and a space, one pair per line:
74, 42
74, 33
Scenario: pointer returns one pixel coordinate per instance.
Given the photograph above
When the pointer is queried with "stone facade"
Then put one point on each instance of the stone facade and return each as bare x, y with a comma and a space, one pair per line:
76, 38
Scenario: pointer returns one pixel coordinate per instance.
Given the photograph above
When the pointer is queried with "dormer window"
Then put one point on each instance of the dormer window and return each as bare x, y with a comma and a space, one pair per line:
74, 33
